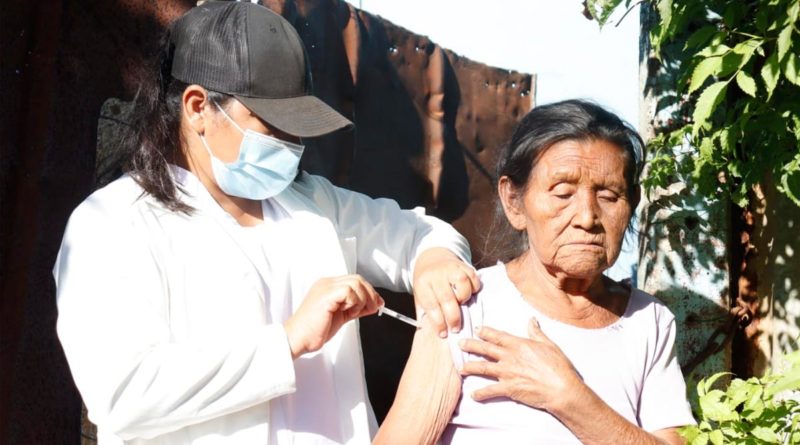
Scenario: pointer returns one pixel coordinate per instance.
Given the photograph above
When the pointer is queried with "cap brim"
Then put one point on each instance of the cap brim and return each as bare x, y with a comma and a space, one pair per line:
304, 116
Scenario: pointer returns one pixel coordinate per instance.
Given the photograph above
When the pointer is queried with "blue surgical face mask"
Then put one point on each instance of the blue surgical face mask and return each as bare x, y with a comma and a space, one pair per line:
264, 168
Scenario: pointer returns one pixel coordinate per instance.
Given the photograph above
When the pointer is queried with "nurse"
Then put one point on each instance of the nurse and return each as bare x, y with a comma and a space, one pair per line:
211, 294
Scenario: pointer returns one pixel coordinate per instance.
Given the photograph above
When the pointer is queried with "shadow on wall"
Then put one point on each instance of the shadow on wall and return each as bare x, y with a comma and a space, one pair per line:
772, 287
429, 122
683, 261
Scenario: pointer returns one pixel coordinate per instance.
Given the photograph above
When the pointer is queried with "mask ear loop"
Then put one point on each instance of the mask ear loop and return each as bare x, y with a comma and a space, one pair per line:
203, 138
290, 145
228, 117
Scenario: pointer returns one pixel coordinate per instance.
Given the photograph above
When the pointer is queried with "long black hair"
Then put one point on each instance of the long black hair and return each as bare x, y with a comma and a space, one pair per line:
539, 130
155, 139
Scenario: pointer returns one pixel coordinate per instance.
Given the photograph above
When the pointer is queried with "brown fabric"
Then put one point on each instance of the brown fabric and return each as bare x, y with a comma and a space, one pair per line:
429, 126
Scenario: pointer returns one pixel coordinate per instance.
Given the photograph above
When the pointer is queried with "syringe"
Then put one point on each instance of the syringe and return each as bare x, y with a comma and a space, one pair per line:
383, 310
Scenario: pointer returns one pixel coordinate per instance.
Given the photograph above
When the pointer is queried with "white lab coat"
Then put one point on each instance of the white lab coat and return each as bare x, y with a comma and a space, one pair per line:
164, 322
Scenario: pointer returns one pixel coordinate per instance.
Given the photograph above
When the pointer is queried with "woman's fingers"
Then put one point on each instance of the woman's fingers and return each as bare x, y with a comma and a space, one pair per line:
482, 348
535, 331
490, 391
483, 368
496, 337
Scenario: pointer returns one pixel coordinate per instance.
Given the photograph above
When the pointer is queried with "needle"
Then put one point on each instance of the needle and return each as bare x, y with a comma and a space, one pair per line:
383, 310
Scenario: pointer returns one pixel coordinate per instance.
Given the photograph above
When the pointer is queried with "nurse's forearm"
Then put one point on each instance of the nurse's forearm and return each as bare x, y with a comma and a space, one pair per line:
595, 423
172, 385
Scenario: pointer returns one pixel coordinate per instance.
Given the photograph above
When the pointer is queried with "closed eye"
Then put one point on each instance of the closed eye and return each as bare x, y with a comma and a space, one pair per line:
608, 196
563, 191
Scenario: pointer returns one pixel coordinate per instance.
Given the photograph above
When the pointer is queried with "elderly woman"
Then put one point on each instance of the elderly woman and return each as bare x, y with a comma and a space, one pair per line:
557, 352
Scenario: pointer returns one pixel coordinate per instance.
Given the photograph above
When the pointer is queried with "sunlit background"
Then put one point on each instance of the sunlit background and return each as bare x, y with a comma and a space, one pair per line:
570, 55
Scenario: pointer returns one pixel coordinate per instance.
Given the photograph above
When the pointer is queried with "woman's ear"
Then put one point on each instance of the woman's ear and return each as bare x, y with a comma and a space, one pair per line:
511, 199
194, 101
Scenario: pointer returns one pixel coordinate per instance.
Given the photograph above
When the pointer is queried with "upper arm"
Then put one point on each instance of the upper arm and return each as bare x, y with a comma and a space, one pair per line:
388, 239
427, 395
107, 285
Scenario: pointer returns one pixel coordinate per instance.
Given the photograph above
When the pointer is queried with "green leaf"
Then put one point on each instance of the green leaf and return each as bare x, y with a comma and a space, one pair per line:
703, 386
665, 13
707, 149
791, 69
770, 73
655, 39
790, 185
689, 432
746, 83
754, 407
707, 383
730, 432
747, 47
702, 71
601, 10
701, 439
716, 437
738, 56
789, 381
739, 197
766, 434
714, 408
784, 41
796, 131
793, 12
700, 37
714, 50
739, 391
707, 103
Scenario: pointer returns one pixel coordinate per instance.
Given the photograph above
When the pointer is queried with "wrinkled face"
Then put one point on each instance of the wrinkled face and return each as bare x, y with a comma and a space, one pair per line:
575, 208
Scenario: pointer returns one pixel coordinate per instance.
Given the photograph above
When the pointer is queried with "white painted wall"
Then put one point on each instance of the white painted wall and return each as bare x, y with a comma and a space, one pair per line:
570, 55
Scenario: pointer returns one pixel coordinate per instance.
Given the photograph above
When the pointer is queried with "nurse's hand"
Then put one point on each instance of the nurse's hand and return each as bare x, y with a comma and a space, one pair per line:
330, 303
442, 281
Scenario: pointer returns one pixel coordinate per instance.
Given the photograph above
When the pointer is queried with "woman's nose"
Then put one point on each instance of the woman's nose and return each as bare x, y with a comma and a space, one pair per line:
587, 211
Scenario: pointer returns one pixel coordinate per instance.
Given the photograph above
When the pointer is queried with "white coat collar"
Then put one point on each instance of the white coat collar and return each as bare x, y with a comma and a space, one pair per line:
313, 250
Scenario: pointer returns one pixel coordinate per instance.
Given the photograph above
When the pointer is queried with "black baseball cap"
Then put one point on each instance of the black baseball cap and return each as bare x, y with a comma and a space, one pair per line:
250, 52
